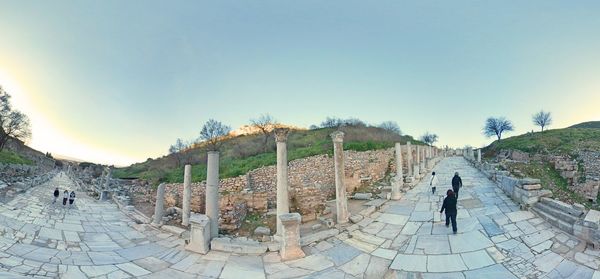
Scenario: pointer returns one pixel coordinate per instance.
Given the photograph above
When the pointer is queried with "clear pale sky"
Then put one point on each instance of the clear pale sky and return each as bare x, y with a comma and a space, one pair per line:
119, 81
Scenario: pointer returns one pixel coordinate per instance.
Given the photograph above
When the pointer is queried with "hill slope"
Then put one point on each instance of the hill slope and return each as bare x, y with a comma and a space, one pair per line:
588, 125
241, 154
566, 141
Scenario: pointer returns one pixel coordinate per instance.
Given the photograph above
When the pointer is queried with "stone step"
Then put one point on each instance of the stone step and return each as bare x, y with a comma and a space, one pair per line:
562, 225
239, 246
557, 213
561, 206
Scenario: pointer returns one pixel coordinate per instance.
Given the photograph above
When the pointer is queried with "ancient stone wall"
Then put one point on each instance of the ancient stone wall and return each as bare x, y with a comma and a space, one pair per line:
311, 182
584, 180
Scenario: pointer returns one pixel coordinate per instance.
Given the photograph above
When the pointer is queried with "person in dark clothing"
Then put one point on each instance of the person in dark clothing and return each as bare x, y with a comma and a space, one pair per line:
456, 184
450, 207
65, 197
56, 194
71, 199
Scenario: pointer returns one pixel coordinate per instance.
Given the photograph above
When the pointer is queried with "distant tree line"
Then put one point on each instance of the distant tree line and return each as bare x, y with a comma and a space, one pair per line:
335, 122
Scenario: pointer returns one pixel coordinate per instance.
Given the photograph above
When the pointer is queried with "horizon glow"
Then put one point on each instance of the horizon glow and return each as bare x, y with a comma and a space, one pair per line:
118, 82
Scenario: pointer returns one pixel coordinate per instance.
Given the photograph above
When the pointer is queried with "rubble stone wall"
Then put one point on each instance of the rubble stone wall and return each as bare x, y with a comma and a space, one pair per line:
311, 181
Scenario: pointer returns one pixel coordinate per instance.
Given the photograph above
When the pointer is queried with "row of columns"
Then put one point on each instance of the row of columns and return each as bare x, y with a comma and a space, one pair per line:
206, 227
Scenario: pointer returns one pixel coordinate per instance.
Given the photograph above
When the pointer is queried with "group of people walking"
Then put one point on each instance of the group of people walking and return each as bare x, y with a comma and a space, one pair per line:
450, 201
70, 197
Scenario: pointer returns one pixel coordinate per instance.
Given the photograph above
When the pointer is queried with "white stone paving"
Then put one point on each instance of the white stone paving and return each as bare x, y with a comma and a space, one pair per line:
405, 239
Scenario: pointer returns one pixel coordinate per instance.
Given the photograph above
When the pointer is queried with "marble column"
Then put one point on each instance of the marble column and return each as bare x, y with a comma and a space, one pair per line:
340, 187
479, 155
422, 159
417, 155
212, 192
283, 206
417, 165
160, 204
290, 246
107, 180
399, 181
187, 194
199, 234
409, 161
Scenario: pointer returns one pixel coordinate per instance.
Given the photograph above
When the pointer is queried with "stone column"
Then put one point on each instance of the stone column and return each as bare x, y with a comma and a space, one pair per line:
107, 181
187, 194
199, 234
212, 192
396, 195
418, 155
409, 161
283, 206
340, 187
290, 247
160, 204
422, 166
479, 155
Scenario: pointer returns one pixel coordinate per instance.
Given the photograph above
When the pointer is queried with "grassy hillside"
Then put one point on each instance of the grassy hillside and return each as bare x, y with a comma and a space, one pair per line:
244, 153
560, 141
10, 157
588, 125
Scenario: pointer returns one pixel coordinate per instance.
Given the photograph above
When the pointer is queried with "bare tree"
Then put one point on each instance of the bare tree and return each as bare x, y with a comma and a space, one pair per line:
13, 123
334, 122
331, 122
429, 138
212, 133
391, 126
177, 150
265, 124
542, 119
497, 126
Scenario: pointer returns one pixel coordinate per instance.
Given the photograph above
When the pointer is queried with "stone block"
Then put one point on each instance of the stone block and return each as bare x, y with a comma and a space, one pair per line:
315, 237
328, 222
362, 196
199, 234
273, 246
592, 219
240, 246
290, 244
530, 187
260, 231
529, 181
177, 231
579, 207
356, 218
368, 211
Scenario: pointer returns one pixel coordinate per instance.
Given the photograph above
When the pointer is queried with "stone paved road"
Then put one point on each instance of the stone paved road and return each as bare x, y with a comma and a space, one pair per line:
405, 239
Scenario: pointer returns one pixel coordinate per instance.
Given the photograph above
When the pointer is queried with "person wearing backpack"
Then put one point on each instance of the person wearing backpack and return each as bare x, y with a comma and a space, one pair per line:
450, 207
71, 199
433, 182
56, 194
456, 184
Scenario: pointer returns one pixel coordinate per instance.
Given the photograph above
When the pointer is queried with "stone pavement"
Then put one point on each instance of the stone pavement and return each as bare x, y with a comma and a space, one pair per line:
405, 239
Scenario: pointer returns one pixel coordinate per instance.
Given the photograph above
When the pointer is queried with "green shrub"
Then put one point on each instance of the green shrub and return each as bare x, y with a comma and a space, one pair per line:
9, 157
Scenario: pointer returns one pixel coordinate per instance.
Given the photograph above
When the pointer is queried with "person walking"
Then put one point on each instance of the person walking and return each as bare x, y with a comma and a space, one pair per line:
433, 182
456, 184
449, 206
65, 197
56, 194
71, 199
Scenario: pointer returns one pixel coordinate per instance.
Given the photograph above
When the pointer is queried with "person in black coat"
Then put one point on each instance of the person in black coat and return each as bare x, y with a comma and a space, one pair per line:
450, 207
56, 194
456, 184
